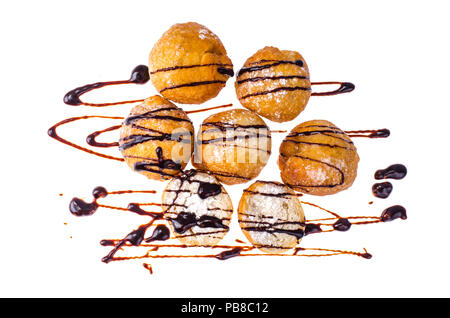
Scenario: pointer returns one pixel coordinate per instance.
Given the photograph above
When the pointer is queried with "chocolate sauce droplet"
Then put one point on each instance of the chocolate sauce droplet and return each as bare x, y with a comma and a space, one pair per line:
225, 71
380, 133
229, 254
394, 212
382, 190
346, 87
206, 190
342, 225
99, 192
366, 255
107, 243
79, 207
161, 233
312, 228
396, 171
140, 75
135, 237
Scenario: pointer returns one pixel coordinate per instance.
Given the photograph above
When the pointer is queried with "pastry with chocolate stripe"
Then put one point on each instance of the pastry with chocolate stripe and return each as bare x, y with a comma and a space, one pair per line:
157, 139
233, 145
274, 83
198, 208
318, 158
189, 64
271, 216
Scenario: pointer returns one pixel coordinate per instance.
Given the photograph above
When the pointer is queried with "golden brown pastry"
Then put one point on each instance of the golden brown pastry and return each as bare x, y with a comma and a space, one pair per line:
198, 208
189, 64
157, 139
271, 216
318, 158
233, 145
275, 84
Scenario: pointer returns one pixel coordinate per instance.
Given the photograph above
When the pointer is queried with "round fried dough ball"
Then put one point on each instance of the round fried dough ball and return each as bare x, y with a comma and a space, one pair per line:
189, 64
271, 216
157, 139
233, 145
198, 208
318, 158
275, 84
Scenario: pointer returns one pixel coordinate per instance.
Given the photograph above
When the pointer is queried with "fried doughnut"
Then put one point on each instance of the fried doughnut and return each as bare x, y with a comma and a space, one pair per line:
271, 216
189, 64
198, 208
157, 139
318, 158
275, 84
233, 145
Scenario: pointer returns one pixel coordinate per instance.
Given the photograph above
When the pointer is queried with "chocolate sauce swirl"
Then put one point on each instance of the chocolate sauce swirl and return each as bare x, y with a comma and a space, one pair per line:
139, 75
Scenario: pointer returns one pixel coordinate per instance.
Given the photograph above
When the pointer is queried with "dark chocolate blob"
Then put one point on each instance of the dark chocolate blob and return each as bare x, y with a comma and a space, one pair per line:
342, 225
140, 75
229, 254
161, 233
79, 207
187, 220
393, 212
396, 171
382, 190
225, 71
207, 189
312, 228
99, 192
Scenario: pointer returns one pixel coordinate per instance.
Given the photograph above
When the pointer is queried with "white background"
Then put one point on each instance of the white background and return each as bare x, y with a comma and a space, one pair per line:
397, 54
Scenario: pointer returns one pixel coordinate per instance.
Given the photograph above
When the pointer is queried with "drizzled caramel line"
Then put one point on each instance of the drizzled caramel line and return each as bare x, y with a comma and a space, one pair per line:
209, 108
91, 139
243, 251
52, 133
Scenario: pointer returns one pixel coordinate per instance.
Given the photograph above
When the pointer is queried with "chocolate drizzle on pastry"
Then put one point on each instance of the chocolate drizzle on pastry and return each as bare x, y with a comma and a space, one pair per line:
192, 84
187, 220
224, 69
265, 66
221, 66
